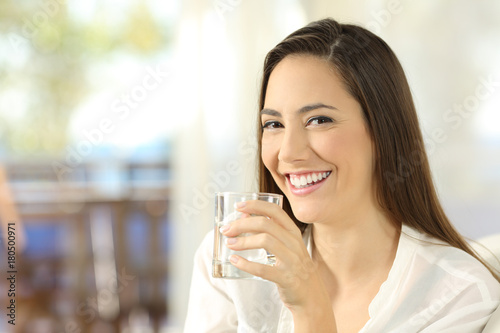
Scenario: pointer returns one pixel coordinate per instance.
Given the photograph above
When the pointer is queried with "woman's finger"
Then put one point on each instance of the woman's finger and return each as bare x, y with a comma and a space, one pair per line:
262, 241
264, 225
288, 275
271, 210
266, 272
251, 224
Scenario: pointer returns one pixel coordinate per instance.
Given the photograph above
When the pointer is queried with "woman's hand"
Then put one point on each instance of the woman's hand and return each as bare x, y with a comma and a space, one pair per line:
300, 286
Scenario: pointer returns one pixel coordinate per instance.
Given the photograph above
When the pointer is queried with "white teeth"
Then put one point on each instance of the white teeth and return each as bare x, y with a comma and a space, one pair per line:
307, 180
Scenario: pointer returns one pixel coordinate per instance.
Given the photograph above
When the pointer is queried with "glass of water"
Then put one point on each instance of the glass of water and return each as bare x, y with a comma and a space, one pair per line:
225, 213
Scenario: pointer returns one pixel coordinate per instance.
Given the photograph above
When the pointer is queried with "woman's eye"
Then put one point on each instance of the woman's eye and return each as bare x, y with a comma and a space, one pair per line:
319, 120
272, 125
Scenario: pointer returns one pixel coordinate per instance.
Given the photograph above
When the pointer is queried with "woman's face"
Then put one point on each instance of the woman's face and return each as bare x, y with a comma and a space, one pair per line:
315, 143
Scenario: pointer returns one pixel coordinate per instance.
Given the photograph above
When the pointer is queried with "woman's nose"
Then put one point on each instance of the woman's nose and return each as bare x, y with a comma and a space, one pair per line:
294, 146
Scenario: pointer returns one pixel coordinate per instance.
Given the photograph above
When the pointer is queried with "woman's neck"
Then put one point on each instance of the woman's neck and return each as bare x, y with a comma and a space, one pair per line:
356, 249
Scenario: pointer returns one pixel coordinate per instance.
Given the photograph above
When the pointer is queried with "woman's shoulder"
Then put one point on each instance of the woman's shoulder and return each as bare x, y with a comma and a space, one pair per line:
433, 258
434, 286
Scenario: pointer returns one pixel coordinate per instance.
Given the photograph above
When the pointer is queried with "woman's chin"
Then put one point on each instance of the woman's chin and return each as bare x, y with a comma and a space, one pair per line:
306, 217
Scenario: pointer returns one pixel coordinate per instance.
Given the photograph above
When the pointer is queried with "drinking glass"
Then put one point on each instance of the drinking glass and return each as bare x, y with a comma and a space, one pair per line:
225, 213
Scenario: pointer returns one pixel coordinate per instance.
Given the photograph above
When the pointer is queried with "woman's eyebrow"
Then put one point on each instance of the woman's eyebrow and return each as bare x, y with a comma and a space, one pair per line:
315, 106
303, 109
270, 112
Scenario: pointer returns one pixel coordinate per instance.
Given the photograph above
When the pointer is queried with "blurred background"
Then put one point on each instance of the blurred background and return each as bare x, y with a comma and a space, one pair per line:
119, 119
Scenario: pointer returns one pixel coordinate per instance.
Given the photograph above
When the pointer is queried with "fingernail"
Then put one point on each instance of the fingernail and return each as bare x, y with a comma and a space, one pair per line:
241, 204
224, 228
231, 241
233, 259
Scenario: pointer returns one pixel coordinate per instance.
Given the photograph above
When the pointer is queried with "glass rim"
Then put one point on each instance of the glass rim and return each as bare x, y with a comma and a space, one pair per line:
258, 194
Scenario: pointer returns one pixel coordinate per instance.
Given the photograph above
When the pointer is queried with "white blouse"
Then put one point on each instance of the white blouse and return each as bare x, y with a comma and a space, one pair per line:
430, 288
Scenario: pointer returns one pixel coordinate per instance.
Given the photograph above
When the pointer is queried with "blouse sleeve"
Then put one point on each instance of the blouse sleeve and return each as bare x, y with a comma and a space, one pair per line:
210, 308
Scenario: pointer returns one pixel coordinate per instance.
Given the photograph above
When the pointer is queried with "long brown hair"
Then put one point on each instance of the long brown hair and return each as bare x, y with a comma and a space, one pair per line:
373, 75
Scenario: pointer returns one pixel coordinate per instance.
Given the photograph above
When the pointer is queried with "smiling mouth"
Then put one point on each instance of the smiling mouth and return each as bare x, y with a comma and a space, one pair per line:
307, 179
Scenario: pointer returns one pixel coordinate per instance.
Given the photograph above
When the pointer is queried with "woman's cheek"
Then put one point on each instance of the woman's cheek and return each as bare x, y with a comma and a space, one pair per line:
269, 154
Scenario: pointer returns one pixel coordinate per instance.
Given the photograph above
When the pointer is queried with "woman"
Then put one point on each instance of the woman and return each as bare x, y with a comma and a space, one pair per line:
362, 244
